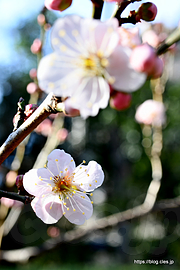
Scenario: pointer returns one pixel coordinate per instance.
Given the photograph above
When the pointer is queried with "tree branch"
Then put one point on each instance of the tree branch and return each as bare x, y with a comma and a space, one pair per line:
24, 254
15, 196
173, 38
47, 107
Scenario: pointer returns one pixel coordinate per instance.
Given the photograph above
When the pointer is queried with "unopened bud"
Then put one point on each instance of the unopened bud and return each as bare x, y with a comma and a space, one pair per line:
29, 109
57, 4
32, 88
120, 101
19, 182
33, 73
41, 19
36, 46
144, 59
147, 11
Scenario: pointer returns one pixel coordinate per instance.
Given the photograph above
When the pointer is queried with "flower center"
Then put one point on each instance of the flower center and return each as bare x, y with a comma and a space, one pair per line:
94, 64
62, 184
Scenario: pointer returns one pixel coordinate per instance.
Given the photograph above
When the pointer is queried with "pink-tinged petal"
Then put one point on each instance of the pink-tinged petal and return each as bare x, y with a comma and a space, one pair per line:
65, 36
91, 95
59, 161
48, 208
126, 78
88, 177
53, 75
80, 209
101, 36
34, 185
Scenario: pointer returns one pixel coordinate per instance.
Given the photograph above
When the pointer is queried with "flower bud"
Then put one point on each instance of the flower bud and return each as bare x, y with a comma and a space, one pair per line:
33, 73
19, 182
41, 19
151, 112
147, 11
36, 46
57, 4
32, 88
29, 109
144, 59
120, 101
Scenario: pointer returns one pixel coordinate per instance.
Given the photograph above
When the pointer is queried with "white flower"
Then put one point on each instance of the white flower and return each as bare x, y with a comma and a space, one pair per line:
87, 58
60, 188
151, 112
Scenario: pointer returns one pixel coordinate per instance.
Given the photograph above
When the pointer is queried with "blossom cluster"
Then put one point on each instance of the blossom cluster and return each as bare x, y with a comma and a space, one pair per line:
89, 56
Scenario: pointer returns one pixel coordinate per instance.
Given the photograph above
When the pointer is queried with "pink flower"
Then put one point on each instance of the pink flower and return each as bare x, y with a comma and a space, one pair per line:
87, 58
151, 112
144, 59
57, 4
60, 188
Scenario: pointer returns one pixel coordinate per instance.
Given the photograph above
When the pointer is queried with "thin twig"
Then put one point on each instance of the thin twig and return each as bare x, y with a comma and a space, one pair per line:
15, 196
24, 254
173, 38
47, 107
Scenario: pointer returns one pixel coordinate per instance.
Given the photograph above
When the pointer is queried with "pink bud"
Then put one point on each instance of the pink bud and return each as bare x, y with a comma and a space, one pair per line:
29, 109
57, 4
41, 19
151, 112
147, 11
120, 101
36, 46
19, 182
62, 134
32, 88
33, 73
144, 59
44, 128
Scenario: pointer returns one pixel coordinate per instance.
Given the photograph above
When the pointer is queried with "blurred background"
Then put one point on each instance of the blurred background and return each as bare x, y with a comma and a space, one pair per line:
113, 139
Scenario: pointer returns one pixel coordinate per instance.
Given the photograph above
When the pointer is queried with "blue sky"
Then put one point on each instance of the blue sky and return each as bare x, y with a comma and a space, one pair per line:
13, 12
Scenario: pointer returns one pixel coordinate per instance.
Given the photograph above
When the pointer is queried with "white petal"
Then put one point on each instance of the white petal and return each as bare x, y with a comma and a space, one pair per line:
53, 75
92, 96
34, 185
126, 78
58, 161
48, 209
88, 177
83, 209
100, 36
65, 34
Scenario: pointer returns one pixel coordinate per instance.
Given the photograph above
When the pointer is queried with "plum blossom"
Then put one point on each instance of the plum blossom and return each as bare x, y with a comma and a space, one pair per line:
61, 188
87, 58
151, 112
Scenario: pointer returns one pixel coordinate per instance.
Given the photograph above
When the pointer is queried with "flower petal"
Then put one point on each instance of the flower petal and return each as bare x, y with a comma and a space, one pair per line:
53, 75
89, 97
48, 208
80, 209
59, 161
33, 183
88, 177
126, 78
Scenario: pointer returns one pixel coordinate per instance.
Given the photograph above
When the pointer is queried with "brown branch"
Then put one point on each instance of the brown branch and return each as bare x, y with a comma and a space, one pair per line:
15, 138
15, 196
23, 255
